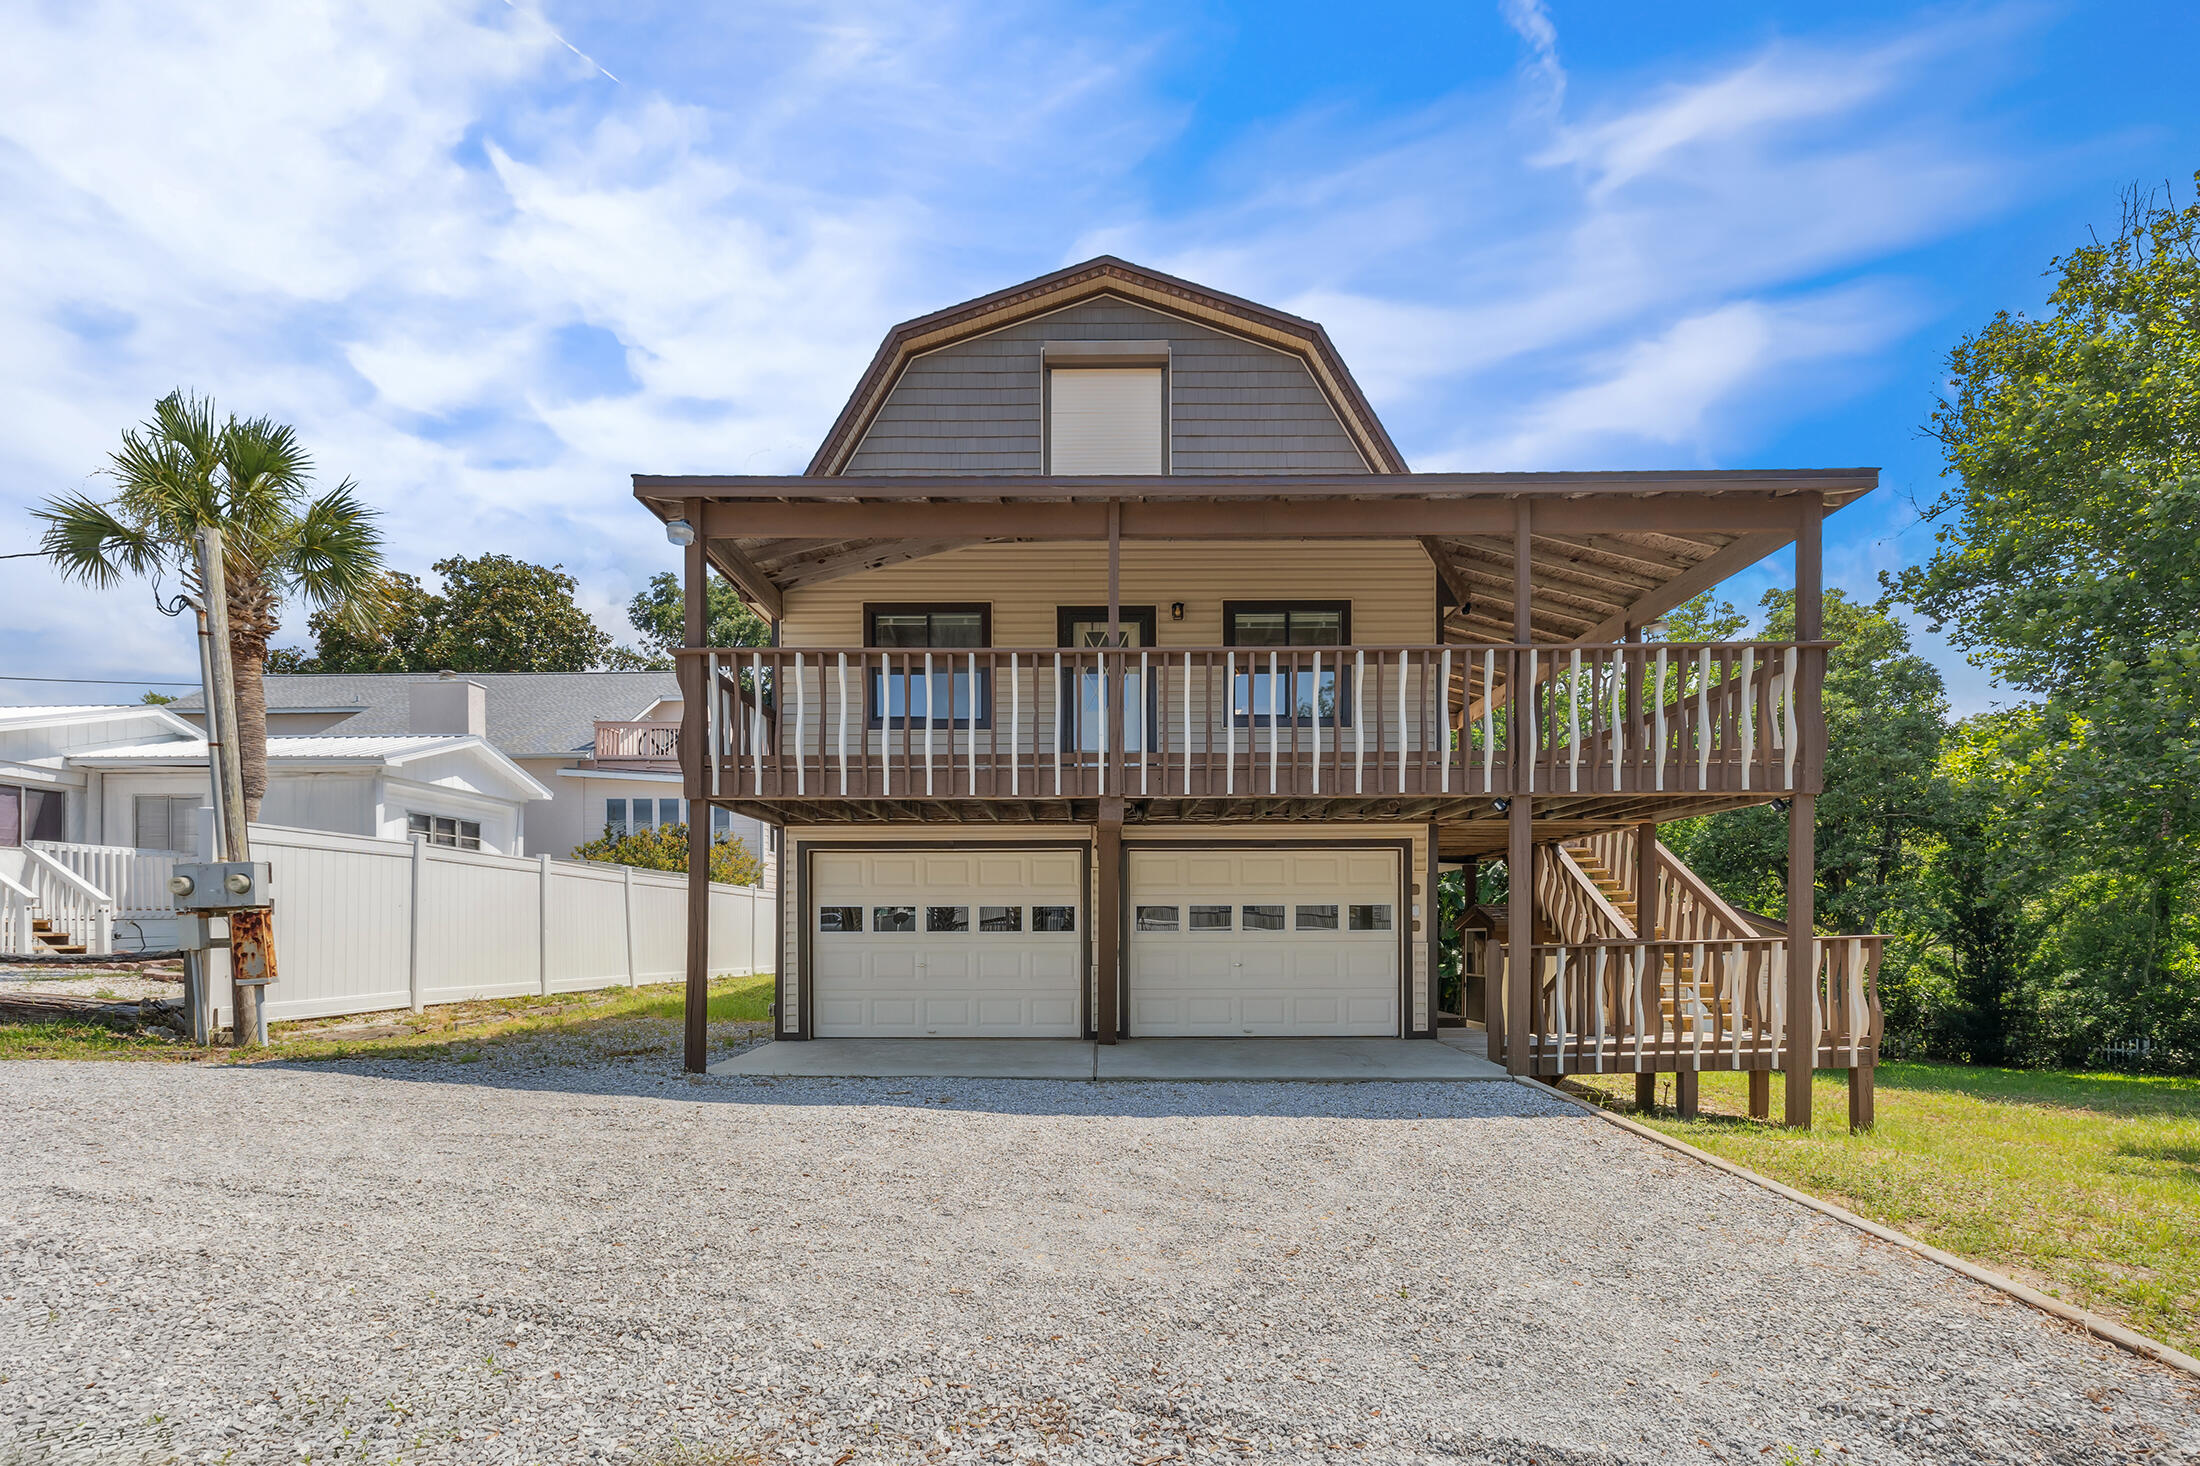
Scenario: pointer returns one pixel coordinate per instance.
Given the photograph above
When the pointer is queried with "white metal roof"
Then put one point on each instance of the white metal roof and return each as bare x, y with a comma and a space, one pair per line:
367, 751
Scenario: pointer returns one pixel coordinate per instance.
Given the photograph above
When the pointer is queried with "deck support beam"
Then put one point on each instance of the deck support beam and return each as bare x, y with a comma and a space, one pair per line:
1802, 872
694, 771
1863, 1107
1760, 1094
1646, 1093
1107, 924
1687, 1094
1520, 819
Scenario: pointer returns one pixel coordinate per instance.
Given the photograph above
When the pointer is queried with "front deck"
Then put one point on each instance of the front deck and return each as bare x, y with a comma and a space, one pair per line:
1610, 732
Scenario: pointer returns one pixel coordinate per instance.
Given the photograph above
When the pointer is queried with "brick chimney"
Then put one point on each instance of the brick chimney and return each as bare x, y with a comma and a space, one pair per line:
450, 705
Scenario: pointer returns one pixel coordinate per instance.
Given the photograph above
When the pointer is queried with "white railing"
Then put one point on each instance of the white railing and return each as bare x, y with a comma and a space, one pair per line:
644, 742
17, 903
135, 880
75, 907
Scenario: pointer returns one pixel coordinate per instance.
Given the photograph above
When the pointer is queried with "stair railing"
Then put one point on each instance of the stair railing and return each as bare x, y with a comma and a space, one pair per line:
75, 906
17, 903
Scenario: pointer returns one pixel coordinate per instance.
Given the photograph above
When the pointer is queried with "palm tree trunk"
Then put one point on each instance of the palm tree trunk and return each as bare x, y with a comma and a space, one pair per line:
251, 627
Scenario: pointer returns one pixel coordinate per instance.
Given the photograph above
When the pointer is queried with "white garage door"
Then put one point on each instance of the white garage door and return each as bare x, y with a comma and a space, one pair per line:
946, 944
1288, 942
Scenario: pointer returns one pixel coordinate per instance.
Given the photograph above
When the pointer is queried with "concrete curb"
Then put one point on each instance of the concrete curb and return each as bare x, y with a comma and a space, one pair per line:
2107, 1330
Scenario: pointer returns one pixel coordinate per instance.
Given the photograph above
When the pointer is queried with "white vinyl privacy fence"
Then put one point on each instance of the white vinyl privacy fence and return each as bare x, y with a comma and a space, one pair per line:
364, 925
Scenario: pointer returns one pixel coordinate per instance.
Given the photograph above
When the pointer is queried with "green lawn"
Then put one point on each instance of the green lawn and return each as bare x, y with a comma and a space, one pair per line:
2087, 1186
607, 1022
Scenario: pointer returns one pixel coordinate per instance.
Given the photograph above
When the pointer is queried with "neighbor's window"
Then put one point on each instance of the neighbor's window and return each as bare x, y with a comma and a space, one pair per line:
1106, 420
903, 691
165, 821
438, 829
1276, 630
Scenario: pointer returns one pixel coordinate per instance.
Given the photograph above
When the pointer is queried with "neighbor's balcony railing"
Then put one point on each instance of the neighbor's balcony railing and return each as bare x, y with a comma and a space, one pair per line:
1328, 723
637, 743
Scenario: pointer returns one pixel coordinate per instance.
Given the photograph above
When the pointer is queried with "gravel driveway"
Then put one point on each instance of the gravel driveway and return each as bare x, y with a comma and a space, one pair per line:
565, 1265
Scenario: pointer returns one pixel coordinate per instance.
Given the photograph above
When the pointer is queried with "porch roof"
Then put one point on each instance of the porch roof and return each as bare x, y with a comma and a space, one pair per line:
1607, 549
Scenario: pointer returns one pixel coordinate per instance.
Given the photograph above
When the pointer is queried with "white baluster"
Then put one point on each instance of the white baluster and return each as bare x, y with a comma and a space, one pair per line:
1489, 720
1188, 725
801, 764
1229, 721
1596, 1007
1359, 722
840, 736
1642, 979
1703, 717
1444, 692
1749, 712
1573, 724
1787, 714
1145, 690
1401, 720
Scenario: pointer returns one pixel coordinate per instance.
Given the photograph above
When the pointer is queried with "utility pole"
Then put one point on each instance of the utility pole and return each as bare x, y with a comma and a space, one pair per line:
251, 929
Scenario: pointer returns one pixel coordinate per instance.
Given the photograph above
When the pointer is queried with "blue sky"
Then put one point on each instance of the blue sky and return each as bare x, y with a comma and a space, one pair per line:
492, 258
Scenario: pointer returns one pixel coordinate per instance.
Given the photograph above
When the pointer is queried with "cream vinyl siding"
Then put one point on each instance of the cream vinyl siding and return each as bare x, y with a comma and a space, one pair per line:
1389, 584
1104, 420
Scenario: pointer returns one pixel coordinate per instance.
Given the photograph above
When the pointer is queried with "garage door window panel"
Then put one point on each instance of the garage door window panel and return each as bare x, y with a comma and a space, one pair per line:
1157, 918
1317, 918
1000, 918
947, 918
893, 919
840, 918
1054, 918
1370, 918
1210, 919
1264, 918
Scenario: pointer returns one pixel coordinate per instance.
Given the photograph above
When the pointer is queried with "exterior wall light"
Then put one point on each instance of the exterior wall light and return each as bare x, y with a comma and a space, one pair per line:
1501, 805
1176, 610
680, 532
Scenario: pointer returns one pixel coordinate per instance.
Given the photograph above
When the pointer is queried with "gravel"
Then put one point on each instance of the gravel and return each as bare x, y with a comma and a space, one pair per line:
534, 1262
124, 986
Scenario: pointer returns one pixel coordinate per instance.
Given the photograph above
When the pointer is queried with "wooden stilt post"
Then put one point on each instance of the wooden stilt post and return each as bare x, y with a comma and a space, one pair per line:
1760, 1094
1862, 1102
694, 771
1685, 1094
1646, 1093
1107, 923
1802, 873
1520, 831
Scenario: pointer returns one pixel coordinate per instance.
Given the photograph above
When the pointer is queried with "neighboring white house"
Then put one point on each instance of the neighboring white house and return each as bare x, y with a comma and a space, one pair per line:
601, 743
136, 776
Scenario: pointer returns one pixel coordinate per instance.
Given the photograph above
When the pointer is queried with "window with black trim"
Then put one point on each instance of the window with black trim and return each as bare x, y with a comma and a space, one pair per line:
1281, 631
946, 698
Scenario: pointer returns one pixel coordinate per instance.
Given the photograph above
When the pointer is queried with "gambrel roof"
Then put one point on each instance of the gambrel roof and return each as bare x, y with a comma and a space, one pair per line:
1108, 276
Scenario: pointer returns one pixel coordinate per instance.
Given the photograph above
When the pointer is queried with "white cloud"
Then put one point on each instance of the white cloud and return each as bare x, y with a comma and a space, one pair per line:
375, 222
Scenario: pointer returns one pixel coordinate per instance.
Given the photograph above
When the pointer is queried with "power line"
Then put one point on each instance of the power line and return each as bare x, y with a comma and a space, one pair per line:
104, 681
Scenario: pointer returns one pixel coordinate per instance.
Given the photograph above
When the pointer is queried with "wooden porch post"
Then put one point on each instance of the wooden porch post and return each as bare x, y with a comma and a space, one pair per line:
1802, 874
694, 770
1520, 827
1107, 922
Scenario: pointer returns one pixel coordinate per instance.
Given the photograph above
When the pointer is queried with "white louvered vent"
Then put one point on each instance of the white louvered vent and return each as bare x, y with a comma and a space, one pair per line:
1105, 420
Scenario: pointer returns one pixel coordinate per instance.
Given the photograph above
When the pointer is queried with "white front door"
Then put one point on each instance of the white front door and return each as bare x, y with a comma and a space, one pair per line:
947, 943
1280, 942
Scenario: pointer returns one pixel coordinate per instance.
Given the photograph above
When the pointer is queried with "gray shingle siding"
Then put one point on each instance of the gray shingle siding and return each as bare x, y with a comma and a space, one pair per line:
1236, 407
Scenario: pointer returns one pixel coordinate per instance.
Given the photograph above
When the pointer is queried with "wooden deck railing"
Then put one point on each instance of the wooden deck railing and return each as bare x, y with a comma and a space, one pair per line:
1639, 1006
637, 742
1249, 722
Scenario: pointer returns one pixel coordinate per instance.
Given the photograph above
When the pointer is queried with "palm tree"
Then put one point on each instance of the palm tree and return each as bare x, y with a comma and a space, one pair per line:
183, 471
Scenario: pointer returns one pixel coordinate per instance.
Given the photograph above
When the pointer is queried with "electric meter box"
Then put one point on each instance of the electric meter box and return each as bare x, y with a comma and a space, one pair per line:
222, 885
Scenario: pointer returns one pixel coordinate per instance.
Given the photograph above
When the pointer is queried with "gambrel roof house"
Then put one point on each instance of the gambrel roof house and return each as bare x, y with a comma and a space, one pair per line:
1128, 684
